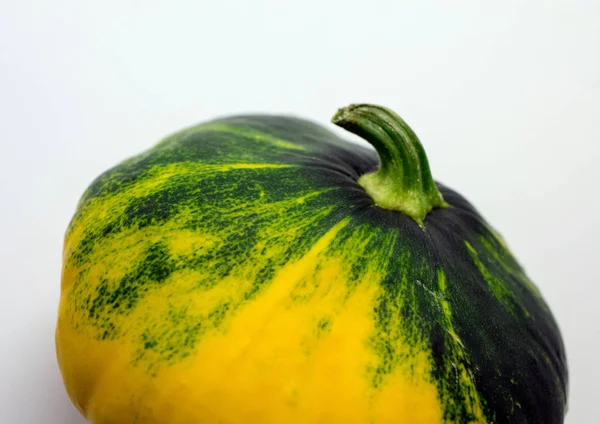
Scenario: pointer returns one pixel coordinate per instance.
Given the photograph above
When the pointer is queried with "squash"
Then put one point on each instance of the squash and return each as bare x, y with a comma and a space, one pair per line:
260, 269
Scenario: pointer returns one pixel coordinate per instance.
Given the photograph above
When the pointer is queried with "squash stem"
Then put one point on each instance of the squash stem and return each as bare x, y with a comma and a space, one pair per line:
403, 181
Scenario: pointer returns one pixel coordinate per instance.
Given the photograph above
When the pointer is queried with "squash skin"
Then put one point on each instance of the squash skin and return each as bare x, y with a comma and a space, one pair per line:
237, 273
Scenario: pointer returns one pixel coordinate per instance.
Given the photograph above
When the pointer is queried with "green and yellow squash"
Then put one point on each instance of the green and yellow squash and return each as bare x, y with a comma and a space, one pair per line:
259, 269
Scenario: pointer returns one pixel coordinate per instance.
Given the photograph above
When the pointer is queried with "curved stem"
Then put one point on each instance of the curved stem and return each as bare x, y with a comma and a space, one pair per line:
403, 181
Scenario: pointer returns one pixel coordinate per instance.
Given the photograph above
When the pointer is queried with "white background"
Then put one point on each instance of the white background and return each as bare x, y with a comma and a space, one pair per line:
505, 97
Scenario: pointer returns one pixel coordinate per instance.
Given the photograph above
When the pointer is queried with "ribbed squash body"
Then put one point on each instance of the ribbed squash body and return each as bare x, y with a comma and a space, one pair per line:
237, 273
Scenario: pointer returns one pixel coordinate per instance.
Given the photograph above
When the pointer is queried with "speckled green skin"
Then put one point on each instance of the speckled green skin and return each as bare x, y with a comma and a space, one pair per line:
268, 188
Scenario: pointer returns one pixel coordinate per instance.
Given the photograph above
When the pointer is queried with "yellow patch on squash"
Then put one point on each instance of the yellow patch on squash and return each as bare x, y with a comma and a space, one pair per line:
296, 353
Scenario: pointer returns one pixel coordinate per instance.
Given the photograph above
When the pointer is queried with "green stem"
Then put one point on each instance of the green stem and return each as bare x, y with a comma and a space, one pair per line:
403, 181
